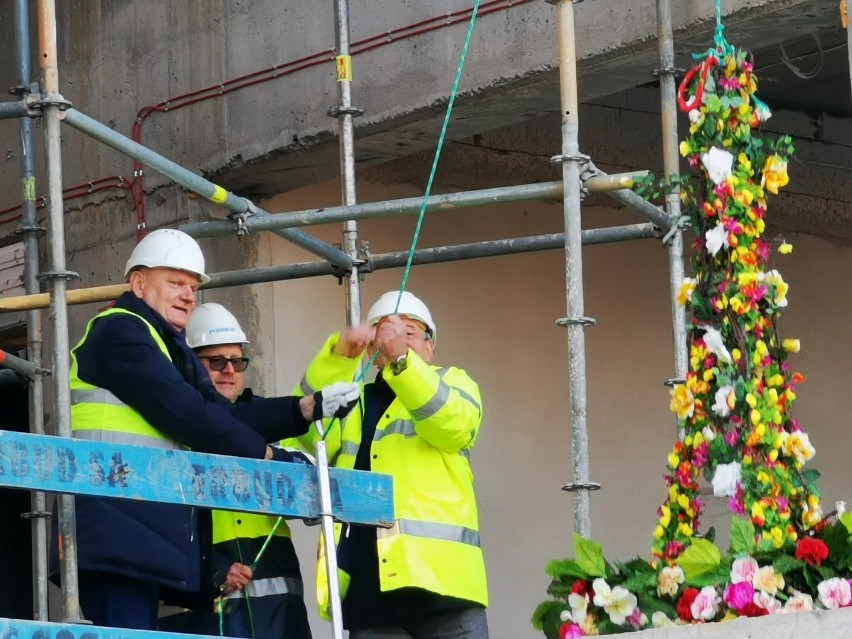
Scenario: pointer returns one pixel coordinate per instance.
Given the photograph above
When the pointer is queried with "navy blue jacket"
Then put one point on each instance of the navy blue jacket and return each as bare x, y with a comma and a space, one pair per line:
147, 540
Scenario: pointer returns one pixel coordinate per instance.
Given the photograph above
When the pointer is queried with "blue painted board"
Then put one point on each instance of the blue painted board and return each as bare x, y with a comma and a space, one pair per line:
23, 629
62, 465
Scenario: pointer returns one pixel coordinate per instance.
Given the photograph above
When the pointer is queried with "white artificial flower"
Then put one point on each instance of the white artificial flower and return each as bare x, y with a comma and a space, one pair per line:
709, 433
619, 603
660, 620
715, 344
726, 479
721, 407
718, 164
717, 237
694, 115
579, 605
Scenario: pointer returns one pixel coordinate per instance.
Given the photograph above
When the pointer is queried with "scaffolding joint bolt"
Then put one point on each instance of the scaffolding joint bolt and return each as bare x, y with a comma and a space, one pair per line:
579, 158
336, 112
36, 230
668, 71
671, 382
36, 514
56, 100
571, 321
575, 486
57, 275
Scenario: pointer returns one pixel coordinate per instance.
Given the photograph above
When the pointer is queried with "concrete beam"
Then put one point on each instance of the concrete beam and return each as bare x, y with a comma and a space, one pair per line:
608, 65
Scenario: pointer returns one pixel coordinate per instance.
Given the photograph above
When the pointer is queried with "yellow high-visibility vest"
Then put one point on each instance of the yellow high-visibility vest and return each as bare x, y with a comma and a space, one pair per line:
98, 415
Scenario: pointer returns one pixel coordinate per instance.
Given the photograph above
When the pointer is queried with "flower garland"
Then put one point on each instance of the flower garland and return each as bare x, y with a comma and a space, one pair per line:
733, 408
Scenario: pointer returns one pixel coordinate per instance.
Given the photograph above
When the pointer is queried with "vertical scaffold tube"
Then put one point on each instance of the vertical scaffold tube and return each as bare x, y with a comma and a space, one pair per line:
671, 166
58, 285
346, 132
30, 231
571, 160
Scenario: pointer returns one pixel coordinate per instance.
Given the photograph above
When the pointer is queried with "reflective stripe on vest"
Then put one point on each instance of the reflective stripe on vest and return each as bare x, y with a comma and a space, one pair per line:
431, 530
118, 437
269, 587
95, 396
440, 398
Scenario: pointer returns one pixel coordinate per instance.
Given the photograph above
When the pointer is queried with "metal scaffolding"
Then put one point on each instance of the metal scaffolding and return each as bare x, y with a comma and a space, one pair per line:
579, 177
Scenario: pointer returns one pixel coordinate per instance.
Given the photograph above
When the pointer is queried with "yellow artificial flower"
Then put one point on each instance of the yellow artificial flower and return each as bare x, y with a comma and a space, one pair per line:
685, 530
659, 532
666, 517
785, 248
687, 287
791, 345
683, 401
674, 460
774, 174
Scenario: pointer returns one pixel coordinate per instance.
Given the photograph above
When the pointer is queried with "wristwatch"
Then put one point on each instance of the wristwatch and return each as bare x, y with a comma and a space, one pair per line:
400, 364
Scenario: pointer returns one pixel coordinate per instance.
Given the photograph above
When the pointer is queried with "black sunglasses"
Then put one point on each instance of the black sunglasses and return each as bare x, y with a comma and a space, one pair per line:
220, 362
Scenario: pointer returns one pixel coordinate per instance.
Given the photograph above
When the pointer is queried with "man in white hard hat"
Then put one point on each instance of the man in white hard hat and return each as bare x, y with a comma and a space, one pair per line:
425, 576
272, 604
134, 380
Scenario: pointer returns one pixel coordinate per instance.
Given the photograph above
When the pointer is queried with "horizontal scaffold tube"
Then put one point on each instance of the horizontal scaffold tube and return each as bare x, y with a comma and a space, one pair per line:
196, 183
411, 206
398, 259
20, 109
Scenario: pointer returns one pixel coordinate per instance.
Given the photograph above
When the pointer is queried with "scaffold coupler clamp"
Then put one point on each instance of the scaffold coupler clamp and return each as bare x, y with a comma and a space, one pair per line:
583, 163
240, 219
678, 225
573, 321
575, 486
364, 259
587, 171
39, 102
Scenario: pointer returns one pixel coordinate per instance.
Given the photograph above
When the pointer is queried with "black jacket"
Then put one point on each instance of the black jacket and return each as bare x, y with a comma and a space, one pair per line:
148, 540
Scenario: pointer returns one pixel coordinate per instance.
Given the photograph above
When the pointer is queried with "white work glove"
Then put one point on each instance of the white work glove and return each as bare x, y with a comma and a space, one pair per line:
336, 400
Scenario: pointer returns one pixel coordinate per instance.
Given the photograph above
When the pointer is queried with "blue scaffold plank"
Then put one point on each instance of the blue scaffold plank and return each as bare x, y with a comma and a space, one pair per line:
22, 629
58, 464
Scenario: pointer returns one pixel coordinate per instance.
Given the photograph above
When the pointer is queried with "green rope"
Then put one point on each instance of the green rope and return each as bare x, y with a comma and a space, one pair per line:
722, 46
440, 146
423, 204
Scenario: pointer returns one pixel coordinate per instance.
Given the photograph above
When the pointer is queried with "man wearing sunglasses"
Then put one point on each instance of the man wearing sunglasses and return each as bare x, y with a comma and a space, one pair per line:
134, 380
423, 578
272, 604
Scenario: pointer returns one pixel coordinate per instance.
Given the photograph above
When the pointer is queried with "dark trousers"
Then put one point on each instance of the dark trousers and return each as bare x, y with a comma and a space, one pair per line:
113, 600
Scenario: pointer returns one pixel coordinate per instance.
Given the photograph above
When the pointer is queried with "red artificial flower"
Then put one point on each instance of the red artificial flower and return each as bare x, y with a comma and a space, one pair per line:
570, 630
684, 604
581, 587
753, 610
811, 550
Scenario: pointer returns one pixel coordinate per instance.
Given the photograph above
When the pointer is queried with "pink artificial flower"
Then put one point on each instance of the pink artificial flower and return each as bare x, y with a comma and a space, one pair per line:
835, 593
738, 595
743, 569
570, 631
638, 619
767, 602
705, 605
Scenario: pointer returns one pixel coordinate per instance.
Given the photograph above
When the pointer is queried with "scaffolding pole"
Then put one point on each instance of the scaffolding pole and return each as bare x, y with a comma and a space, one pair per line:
260, 275
575, 322
671, 167
9, 110
57, 277
239, 206
345, 114
434, 204
31, 231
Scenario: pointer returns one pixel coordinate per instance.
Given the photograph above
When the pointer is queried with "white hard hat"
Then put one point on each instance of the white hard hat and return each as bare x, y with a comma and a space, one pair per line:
212, 324
409, 305
168, 248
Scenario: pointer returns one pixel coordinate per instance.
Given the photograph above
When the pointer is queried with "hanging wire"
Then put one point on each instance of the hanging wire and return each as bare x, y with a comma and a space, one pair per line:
804, 75
722, 47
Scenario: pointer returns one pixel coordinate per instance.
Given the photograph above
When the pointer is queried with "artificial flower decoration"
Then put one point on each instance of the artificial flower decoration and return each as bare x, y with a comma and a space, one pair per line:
734, 409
